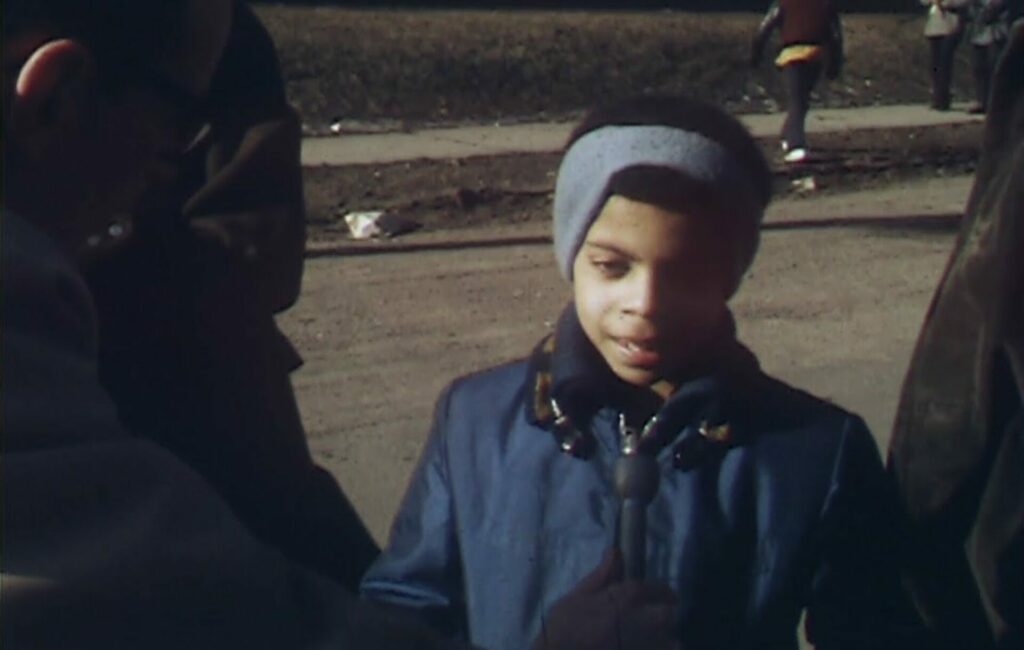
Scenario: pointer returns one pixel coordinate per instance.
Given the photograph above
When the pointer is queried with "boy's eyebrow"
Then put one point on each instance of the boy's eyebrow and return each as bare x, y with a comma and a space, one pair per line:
610, 247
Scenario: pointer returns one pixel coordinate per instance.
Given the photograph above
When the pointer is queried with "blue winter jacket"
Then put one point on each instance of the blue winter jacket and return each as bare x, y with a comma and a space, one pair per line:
788, 510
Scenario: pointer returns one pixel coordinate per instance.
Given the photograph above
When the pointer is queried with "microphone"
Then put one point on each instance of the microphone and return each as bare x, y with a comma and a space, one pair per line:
636, 481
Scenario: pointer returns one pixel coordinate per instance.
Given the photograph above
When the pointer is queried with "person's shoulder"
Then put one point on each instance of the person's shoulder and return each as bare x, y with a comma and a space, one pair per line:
44, 292
502, 379
483, 407
493, 385
804, 431
777, 405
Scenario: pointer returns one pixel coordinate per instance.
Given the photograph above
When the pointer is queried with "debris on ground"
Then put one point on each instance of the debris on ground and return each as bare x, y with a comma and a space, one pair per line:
804, 184
378, 224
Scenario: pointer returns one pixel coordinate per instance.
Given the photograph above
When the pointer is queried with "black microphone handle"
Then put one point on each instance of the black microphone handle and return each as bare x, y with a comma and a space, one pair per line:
636, 481
633, 538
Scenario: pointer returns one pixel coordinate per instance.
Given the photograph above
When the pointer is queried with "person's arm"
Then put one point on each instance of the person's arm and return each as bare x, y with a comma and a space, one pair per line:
419, 569
771, 20
242, 185
854, 584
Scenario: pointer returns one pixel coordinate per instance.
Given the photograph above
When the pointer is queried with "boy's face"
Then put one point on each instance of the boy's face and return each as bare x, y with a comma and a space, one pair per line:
650, 288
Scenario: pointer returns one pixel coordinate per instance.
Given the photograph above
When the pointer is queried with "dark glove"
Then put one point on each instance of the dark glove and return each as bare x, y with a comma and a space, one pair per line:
602, 612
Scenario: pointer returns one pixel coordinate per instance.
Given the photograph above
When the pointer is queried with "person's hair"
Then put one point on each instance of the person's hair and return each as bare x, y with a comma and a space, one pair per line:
664, 187
122, 34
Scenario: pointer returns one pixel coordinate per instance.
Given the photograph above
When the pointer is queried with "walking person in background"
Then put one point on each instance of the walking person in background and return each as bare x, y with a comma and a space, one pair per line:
812, 42
943, 28
988, 37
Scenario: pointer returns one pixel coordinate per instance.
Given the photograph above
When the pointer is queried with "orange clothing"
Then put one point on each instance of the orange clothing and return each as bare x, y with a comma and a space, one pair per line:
797, 53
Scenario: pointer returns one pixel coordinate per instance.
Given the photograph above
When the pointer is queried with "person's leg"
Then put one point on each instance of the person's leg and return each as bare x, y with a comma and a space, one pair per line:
796, 107
935, 60
800, 80
942, 97
981, 68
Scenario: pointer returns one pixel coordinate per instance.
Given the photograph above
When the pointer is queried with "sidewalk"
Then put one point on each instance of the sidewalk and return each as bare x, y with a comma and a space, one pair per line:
548, 137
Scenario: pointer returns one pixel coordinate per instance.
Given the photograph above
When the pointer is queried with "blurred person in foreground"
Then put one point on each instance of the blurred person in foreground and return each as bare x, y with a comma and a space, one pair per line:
957, 451
188, 346
109, 540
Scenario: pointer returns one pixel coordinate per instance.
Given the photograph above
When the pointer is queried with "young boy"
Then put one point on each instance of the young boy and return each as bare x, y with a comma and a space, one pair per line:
770, 501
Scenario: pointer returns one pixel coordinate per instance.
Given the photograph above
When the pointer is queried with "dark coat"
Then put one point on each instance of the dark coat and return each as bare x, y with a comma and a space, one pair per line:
189, 349
786, 511
957, 449
110, 541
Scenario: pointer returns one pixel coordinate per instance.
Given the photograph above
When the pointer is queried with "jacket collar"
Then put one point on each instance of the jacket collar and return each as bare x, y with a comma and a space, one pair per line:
571, 383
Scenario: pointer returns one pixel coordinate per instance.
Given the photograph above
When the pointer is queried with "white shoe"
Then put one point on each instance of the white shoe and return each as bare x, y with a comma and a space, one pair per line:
798, 154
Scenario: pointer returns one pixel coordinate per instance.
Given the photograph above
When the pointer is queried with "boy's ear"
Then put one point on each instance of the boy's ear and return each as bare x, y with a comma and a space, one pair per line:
54, 95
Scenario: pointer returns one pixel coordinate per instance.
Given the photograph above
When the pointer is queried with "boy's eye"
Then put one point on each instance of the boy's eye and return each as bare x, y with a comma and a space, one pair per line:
610, 268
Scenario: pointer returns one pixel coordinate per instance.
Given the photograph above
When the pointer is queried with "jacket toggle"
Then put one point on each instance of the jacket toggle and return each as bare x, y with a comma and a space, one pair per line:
706, 435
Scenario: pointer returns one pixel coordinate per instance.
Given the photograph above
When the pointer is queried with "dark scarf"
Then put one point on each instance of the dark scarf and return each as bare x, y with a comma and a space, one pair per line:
571, 382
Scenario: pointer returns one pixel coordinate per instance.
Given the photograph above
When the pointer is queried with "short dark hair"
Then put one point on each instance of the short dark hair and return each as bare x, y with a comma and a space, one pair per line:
664, 187
121, 33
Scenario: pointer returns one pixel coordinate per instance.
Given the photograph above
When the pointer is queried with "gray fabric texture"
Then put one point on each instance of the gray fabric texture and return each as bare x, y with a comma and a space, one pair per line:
590, 163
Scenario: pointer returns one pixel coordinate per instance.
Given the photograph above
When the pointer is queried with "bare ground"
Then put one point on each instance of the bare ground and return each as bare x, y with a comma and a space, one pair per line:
479, 191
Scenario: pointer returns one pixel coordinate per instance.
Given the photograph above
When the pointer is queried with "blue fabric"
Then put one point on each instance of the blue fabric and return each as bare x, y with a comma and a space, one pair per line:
497, 523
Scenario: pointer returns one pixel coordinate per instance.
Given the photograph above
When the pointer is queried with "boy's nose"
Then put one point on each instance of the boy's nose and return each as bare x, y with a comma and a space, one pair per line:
644, 295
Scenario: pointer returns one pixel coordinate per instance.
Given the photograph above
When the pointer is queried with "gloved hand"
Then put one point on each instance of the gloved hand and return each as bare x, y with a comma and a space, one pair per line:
603, 612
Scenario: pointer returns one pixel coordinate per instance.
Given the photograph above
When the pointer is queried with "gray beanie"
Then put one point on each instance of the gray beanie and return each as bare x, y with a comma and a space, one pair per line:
592, 161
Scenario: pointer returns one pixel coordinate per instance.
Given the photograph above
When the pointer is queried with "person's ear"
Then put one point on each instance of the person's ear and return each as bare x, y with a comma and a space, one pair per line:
54, 96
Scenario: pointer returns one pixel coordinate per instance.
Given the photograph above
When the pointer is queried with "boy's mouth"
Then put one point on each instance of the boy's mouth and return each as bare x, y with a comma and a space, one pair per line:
638, 352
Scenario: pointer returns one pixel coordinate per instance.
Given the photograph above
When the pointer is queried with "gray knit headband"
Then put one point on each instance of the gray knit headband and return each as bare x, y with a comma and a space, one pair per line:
591, 161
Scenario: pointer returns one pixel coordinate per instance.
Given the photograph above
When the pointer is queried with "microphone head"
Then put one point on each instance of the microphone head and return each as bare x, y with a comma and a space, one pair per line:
636, 477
